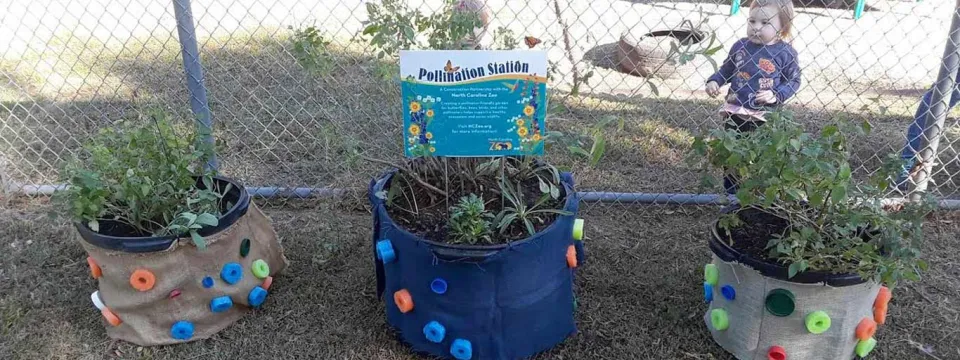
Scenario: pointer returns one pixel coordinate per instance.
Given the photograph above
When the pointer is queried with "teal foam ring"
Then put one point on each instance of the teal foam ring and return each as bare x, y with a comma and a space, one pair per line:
385, 251
257, 296
182, 330
461, 349
231, 273
221, 304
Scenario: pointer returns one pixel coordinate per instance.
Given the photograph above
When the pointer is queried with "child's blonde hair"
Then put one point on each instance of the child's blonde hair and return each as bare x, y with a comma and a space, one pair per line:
784, 12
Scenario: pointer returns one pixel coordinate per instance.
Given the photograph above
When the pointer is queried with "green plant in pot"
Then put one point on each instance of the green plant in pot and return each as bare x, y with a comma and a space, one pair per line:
807, 252
144, 206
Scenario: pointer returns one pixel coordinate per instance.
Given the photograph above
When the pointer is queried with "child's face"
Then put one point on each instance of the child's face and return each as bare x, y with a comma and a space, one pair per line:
763, 24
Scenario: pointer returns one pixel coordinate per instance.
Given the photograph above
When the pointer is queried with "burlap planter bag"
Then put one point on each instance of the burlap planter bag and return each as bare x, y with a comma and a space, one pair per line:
164, 290
757, 313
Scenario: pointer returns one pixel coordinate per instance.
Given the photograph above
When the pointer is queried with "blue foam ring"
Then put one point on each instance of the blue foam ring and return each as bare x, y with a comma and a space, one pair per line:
708, 292
231, 273
207, 282
182, 330
257, 296
461, 349
434, 332
221, 304
385, 251
438, 286
728, 292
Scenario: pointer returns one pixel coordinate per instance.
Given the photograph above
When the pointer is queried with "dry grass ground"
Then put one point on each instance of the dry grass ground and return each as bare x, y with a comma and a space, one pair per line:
639, 293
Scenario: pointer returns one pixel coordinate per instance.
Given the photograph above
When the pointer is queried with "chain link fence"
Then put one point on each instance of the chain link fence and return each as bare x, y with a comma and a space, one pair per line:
300, 101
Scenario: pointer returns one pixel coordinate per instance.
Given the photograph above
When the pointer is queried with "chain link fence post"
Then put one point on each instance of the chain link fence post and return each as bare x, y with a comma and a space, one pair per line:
194, 72
939, 99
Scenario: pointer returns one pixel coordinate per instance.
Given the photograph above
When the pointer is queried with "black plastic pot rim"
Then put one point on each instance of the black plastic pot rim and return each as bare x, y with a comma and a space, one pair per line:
571, 196
143, 244
729, 254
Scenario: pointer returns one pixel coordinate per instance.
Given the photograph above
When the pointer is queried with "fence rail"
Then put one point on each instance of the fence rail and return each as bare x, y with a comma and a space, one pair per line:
297, 96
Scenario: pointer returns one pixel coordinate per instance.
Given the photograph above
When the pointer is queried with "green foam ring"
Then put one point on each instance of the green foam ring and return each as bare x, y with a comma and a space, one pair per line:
719, 319
578, 229
864, 347
260, 269
780, 302
818, 322
711, 274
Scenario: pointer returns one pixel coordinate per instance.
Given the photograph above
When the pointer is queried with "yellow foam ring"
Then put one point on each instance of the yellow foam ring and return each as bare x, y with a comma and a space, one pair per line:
818, 322
711, 274
864, 347
719, 319
578, 229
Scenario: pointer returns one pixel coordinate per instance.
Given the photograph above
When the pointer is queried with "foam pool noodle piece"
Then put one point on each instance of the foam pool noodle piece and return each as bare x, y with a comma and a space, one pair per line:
780, 302
711, 275
244, 247
728, 292
719, 319
461, 349
221, 304
257, 296
95, 297
182, 330
434, 332
817, 322
142, 280
385, 251
438, 286
864, 347
708, 292
207, 282
260, 269
777, 353
866, 329
578, 229
231, 273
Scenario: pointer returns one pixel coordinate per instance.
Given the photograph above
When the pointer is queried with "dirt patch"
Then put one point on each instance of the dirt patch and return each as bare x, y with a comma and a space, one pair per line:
758, 228
426, 210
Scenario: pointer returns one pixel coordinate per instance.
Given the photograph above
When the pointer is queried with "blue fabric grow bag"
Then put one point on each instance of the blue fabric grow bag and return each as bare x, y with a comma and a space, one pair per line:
509, 301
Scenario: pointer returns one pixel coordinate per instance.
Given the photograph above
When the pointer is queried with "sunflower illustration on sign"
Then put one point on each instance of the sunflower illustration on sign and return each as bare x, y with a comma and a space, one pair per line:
527, 123
420, 141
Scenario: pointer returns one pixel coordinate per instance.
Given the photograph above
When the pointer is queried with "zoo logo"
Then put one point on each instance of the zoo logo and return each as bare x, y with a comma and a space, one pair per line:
498, 145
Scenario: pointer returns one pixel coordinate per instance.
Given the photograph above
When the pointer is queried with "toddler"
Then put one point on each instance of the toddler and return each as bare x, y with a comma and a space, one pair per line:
761, 69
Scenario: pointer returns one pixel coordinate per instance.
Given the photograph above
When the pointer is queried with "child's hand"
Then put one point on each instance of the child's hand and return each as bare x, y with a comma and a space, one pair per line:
713, 89
766, 97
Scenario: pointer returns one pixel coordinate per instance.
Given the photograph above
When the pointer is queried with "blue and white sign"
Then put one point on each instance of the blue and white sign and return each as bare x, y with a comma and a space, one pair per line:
473, 103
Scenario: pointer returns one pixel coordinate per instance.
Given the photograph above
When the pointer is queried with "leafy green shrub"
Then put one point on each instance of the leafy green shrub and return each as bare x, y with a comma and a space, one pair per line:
141, 178
312, 51
595, 139
470, 221
833, 224
393, 26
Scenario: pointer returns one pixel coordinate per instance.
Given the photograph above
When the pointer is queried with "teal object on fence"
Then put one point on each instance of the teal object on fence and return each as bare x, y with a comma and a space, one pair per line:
858, 11
734, 7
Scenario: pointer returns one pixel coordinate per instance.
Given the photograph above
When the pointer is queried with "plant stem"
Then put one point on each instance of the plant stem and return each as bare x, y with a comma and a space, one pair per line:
406, 170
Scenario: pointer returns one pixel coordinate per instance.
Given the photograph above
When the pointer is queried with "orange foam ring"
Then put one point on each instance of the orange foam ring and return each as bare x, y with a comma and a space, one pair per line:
880, 314
866, 329
404, 300
572, 256
267, 282
142, 280
94, 268
111, 317
883, 297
